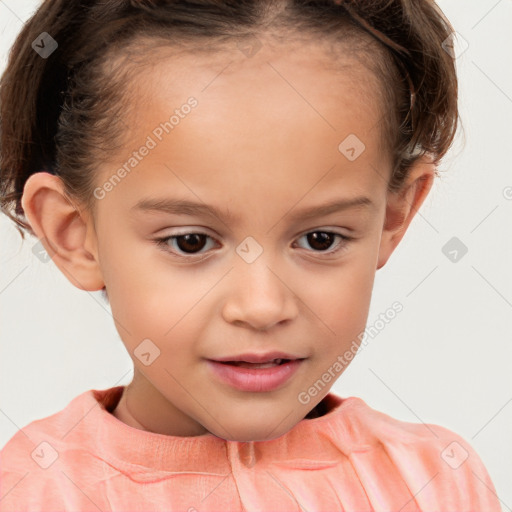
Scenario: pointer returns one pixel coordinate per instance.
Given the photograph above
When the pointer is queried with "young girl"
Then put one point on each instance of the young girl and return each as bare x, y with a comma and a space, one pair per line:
292, 142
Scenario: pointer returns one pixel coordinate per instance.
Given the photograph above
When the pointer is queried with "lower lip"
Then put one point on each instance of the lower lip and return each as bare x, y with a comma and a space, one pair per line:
257, 379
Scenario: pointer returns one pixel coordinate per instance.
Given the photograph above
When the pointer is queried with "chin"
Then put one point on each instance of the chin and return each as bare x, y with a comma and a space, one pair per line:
252, 432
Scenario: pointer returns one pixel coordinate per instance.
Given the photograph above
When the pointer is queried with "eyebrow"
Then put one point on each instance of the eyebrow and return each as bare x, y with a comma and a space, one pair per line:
186, 207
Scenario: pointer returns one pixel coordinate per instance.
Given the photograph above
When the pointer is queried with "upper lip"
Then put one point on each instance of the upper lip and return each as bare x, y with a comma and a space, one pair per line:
258, 358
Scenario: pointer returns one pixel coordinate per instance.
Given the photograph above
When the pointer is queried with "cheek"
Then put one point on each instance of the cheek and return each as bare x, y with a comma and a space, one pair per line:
143, 295
340, 300
158, 301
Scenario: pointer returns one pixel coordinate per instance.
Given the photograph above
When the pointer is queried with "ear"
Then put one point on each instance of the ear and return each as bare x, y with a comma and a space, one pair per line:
67, 234
402, 206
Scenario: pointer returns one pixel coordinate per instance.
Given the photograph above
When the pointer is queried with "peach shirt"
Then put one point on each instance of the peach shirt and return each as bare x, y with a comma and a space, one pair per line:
353, 458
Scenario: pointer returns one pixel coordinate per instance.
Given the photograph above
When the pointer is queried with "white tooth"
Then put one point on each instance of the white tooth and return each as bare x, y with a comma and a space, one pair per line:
243, 364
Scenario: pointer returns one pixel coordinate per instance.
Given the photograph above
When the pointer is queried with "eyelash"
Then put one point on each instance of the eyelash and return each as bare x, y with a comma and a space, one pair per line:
163, 245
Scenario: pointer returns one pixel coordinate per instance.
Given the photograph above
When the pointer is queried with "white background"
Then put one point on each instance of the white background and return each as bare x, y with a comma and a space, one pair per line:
445, 359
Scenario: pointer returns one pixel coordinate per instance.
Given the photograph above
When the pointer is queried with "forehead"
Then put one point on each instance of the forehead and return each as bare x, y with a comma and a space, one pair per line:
261, 80
274, 118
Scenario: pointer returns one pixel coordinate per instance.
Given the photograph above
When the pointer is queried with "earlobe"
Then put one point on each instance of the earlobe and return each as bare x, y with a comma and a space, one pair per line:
403, 205
62, 229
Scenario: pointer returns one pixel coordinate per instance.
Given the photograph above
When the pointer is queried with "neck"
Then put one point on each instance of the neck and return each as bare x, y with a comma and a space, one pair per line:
123, 413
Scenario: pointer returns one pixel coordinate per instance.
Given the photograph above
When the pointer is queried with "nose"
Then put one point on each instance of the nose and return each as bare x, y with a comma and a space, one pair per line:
258, 297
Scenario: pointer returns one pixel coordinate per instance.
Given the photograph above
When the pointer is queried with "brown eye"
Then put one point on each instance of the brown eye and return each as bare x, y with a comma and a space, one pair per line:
190, 243
322, 241
184, 245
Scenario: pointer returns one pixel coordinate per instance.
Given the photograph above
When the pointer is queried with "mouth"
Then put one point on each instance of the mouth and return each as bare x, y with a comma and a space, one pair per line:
255, 366
271, 357
267, 374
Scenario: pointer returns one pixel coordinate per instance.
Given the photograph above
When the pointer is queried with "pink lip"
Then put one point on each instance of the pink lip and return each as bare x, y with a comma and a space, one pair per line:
255, 380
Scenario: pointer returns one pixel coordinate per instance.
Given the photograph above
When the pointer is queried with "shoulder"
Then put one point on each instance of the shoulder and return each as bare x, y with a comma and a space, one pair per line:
428, 457
38, 465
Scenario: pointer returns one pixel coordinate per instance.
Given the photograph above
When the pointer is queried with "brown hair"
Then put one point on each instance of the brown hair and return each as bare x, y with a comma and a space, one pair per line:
62, 114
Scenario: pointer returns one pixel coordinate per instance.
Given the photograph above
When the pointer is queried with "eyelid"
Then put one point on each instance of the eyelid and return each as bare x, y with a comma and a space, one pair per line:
326, 229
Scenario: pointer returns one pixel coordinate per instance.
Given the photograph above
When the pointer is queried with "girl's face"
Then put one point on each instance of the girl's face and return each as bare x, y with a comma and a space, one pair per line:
265, 141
